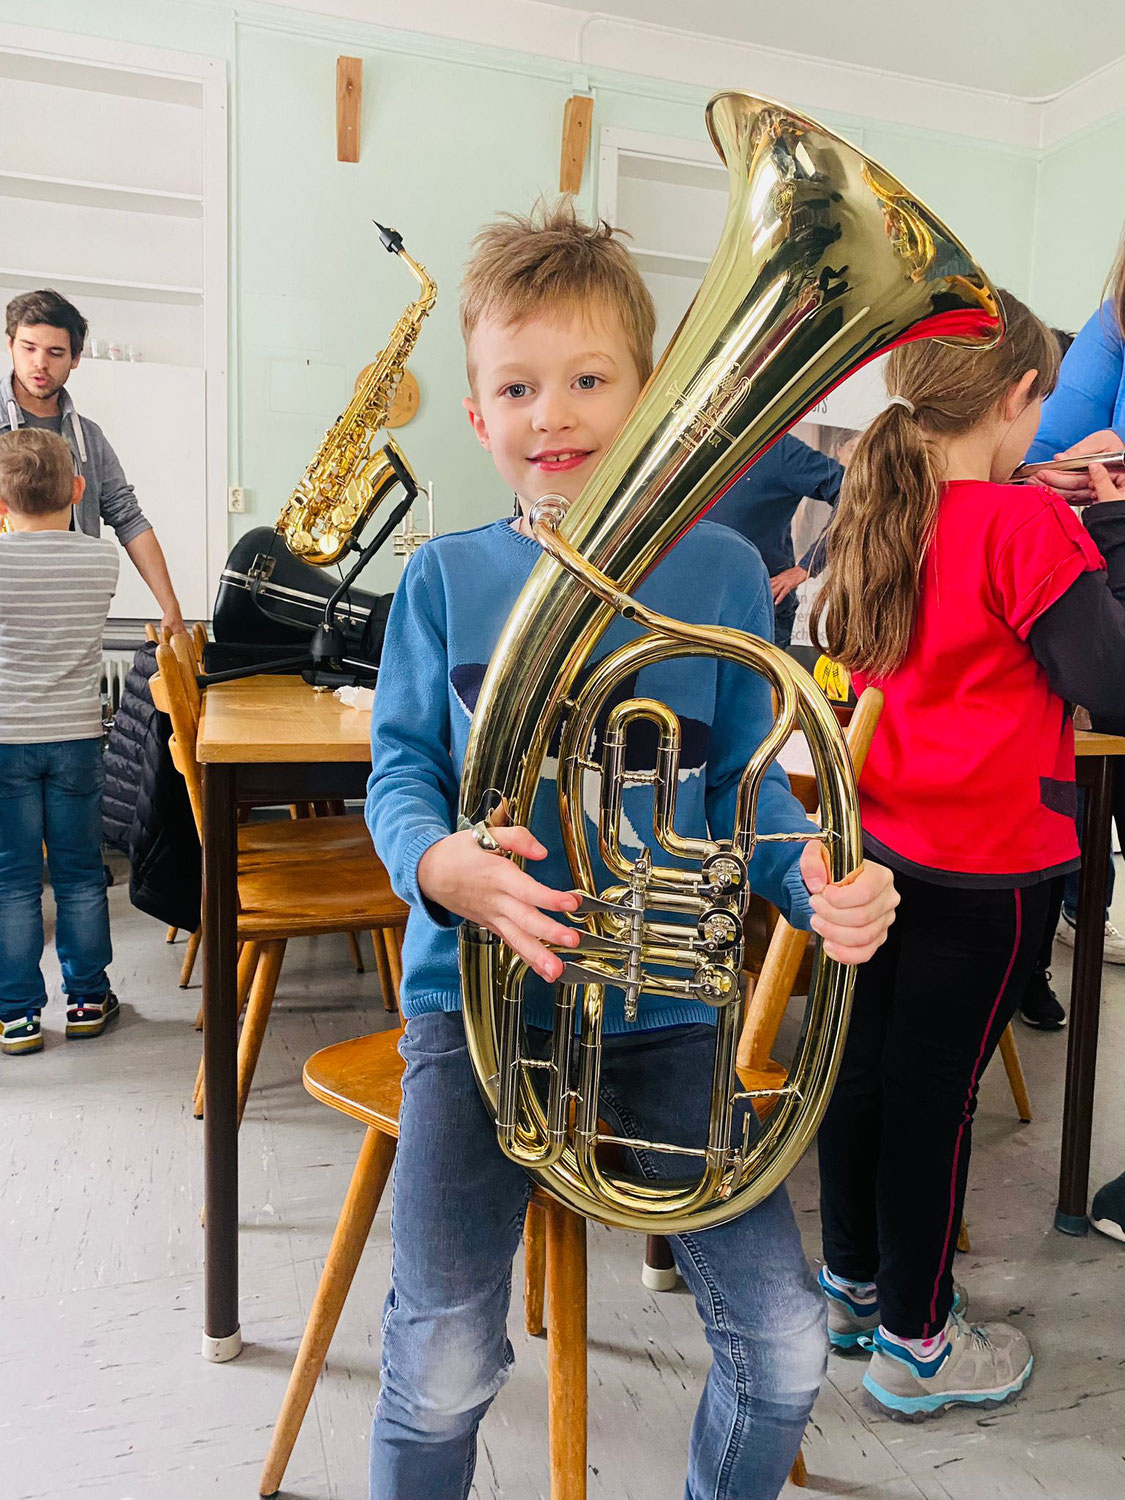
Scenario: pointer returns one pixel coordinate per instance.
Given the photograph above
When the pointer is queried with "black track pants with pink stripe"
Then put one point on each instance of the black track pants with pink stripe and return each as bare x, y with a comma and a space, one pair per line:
929, 1011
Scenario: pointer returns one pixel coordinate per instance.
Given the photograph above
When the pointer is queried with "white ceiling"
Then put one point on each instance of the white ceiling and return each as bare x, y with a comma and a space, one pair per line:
1028, 48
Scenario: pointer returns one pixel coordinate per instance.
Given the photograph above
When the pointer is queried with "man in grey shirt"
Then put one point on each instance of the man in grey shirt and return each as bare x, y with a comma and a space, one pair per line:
45, 338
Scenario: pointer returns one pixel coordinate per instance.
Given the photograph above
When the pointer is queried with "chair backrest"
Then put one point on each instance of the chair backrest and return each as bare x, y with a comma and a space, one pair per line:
171, 698
199, 637
183, 645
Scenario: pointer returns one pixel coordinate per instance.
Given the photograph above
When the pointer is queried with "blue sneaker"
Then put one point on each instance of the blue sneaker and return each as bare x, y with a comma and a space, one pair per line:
90, 1015
852, 1324
982, 1366
22, 1035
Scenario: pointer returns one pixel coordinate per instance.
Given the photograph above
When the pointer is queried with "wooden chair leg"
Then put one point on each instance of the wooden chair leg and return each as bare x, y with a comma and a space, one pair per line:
1016, 1081
258, 1009
534, 1267
170, 935
247, 963
357, 956
963, 1239
798, 1474
189, 958
394, 956
659, 1272
364, 1192
566, 1352
382, 965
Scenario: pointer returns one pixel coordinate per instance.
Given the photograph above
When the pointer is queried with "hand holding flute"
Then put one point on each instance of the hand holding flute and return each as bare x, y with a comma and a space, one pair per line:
1070, 472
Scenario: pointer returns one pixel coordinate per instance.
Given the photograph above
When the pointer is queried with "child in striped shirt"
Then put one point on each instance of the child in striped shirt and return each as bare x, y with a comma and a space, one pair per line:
55, 590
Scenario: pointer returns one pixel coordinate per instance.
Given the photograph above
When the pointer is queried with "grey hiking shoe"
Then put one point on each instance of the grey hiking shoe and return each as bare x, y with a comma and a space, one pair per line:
987, 1364
852, 1325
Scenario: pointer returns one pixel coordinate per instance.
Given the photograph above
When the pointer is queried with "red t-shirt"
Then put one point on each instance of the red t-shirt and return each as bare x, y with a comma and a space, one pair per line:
971, 771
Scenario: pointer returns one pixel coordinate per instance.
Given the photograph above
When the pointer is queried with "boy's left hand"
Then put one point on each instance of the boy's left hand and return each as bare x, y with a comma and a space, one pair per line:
851, 919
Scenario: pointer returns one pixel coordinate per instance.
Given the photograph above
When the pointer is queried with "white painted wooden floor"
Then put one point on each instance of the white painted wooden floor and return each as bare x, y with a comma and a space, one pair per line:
103, 1393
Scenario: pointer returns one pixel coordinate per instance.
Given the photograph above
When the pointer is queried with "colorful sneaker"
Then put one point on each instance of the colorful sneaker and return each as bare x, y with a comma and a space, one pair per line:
852, 1324
90, 1015
22, 1035
1040, 1005
983, 1366
1107, 1212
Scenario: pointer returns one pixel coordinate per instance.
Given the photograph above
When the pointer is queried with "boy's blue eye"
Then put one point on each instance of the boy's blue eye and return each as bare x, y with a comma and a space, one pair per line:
516, 389
588, 382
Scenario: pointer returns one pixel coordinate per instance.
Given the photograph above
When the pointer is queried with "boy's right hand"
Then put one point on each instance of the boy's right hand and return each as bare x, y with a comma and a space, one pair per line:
1077, 485
457, 874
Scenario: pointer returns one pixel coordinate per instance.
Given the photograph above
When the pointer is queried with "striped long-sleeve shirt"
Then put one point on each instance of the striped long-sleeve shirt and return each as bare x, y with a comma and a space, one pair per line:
55, 591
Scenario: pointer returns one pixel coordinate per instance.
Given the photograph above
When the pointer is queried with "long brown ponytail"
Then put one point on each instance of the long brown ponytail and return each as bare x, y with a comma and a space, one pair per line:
864, 615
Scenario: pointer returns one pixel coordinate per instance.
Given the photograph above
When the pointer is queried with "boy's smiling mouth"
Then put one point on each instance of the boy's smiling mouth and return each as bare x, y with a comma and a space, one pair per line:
558, 460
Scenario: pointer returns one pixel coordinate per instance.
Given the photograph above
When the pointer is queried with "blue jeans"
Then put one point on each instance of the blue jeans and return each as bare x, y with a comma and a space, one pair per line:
457, 1216
51, 794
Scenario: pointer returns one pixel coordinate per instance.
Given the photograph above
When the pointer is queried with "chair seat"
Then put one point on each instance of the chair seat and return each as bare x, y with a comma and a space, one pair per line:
361, 1078
335, 893
292, 837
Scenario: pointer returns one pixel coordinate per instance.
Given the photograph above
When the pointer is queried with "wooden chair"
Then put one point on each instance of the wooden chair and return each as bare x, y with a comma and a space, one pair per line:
287, 886
346, 833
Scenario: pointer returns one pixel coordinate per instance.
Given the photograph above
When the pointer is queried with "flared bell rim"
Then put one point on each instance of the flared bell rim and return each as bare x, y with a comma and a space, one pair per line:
990, 325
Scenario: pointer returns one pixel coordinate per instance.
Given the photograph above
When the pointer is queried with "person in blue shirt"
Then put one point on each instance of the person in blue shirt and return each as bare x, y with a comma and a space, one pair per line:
558, 327
760, 506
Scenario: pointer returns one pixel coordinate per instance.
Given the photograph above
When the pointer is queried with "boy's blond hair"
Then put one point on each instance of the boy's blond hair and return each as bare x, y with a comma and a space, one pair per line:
36, 472
549, 261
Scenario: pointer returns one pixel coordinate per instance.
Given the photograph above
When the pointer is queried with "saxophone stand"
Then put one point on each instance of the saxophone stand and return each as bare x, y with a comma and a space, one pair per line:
323, 665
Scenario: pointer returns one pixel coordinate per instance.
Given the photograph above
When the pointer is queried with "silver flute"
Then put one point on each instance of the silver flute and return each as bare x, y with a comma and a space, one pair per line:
1111, 460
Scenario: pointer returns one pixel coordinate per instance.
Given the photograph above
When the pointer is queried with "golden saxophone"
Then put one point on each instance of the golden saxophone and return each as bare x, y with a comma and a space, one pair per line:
349, 476
824, 262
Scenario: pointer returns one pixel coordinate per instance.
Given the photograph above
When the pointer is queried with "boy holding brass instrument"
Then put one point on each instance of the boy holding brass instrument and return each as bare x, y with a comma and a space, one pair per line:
558, 328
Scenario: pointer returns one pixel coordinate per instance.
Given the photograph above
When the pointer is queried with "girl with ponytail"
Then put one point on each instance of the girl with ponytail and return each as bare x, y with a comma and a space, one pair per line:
981, 609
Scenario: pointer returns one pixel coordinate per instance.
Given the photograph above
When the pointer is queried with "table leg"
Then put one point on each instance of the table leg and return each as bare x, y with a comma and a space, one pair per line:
1085, 1005
222, 1336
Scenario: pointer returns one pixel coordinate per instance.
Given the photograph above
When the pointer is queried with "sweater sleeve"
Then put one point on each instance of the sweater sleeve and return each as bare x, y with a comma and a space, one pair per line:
412, 790
819, 477
743, 716
1080, 640
117, 500
1084, 399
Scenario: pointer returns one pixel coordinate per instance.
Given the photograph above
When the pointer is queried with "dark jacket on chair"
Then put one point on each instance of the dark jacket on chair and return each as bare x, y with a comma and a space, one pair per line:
146, 810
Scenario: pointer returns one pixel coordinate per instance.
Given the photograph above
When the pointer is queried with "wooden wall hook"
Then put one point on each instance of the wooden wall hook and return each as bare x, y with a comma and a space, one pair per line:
575, 141
349, 97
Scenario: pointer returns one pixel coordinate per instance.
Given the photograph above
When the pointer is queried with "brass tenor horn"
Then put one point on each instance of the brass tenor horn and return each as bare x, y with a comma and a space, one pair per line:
824, 262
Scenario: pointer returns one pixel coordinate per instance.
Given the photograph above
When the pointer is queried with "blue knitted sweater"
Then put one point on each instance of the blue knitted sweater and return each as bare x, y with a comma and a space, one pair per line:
444, 623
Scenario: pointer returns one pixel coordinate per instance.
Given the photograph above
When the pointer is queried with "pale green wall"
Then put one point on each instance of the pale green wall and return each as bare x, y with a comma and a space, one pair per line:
451, 135
1079, 212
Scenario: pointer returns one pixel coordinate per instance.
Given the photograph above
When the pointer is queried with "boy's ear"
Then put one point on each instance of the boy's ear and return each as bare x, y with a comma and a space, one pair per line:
79, 489
476, 421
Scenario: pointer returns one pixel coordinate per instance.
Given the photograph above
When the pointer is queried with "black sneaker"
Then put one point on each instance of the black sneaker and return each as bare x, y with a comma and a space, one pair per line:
1040, 1005
1107, 1212
90, 1015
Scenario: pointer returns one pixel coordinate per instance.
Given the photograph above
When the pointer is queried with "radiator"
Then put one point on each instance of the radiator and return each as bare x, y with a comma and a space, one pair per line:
115, 669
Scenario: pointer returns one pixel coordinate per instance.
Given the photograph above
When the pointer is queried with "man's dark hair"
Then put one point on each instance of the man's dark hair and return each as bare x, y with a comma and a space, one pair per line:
1063, 338
46, 306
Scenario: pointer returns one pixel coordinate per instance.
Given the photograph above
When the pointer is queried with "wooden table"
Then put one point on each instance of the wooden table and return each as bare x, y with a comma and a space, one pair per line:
265, 739
1095, 760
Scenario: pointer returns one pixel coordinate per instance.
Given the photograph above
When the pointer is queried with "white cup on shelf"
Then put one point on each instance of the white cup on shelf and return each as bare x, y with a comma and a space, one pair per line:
113, 350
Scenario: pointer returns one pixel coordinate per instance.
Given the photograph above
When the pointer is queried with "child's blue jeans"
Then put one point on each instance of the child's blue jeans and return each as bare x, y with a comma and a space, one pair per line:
51, 794
457, 1216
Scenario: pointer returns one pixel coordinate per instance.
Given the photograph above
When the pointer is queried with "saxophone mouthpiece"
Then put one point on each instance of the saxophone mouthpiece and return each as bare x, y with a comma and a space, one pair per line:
391, 238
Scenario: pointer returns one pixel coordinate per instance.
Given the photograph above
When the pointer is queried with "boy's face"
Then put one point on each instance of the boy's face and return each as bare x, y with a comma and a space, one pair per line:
41, 359
550, 395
